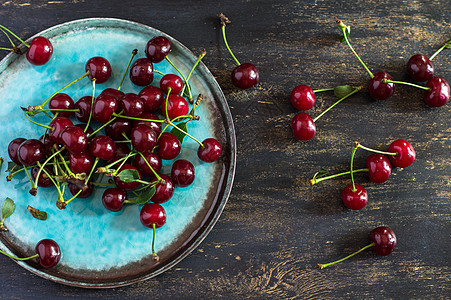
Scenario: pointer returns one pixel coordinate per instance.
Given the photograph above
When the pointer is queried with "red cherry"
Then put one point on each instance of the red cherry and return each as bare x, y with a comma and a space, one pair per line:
126, 186
44, 180
113, 92
171, 81
40, 51
169, 146
303, 97
118, 127
182, 173
113, 199
152, 213
102, 147
80, 162
49, 253
86, 190
132, 105
380, 90
211, 151
158, 48
30, 152
152, 98
384, 240
58, 124
164, 191
355, 200
84, 106
143, 138
12, 150
156, 126
303, 127
438, 95
62, 101
99, 68
177, 106
420, 68
104, 107
122, 150
245, 76
152, 159
141, 72
379, 168
74, 138
406, 154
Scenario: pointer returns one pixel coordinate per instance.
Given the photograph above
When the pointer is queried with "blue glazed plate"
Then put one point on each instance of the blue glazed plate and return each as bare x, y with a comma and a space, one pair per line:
102, 249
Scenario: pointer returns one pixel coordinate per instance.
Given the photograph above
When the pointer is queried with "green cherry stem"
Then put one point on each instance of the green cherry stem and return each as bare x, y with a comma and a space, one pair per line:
314, 181
224, 20
323, 90
330, 107
104, 125
73, 197
354, 149
9, 31
7, 49
201, 55
343, 28
322, 266
446, 45
9, 38
92, 170
150, 167
134, 52
29, 177
357, 144
36, 123
159, 72
154, 254
54, 183
35, 185
69, 171
92, 104
183, 76
19, 258
139, 119
406, 83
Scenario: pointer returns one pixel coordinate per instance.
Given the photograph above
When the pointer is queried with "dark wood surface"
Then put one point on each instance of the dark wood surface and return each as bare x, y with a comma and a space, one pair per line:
276, 227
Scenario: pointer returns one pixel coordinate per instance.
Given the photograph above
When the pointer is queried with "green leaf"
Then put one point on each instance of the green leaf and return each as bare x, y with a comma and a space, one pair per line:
448, 45
145, 196
8, 208
347, 33
36, 213
321, 173
129, 175
11, 165
180, 135
343, 90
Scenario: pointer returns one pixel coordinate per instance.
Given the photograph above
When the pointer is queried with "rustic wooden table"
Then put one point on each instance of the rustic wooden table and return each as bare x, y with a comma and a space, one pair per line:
276, 227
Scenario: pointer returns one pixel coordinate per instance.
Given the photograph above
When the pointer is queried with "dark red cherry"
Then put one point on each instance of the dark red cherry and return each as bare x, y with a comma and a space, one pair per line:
40, 51
177, 106
406, 154
30, 152
384, 240
156, 126
104, 107
245, 76
88, 132
182, 173
152, 213
113, 92
102, 147
132, 105
171, 81
378, 89
126, 186
86, 190
158, 48
420, 68
143, 138
48, 144
74, 138
58, 124
379, 167
141, 72
169, 146
152, 98
303, 97
117, 128
113, 199
44, 180
122, 150
84, 106
62, 101
303, 127
99, 68
438, 95
152, 159
164, 191
80, 162
355, 200
211, 151
12, 150
49, 253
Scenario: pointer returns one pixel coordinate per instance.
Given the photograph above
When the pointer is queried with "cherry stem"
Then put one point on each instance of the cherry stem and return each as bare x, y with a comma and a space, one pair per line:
201, 55
9, 31
406, 83
187, 134
19, 258
134, 52
183, 76
104, 125
92, 170
153, 241
343, 28
36, 123
323, 90
150, 167
330, 107
159, 72
120, 159
92, 105
375, 151
7, 49
29, 177
227, 45
75, 196
139, 119
316, 180
354, 149
69, 171
43, 165
7, 35
446, 45
322, 266
54, 183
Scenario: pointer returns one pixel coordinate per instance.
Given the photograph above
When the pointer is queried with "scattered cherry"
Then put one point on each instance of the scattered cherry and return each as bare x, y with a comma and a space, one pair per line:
113, 199
245, 76
102, 147
40, 51
303, 97
152, 98
420, 68
49, 253
379, 168
303, 126
158, 48
141, 72
164, 190
171, 81
384, 240
177, 106
182, 173
99, 69
380, 90
74, 138
211, 150
438, 95
405, 153
30, 152
355, 200
12, 149
169, 146
61, 101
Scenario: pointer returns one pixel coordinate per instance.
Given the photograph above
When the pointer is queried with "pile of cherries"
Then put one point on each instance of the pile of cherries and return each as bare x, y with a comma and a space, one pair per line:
131, 151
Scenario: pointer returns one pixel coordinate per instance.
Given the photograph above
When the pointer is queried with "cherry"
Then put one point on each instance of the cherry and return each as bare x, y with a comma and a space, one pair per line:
118, 127
355, 200
158, 48
438, 95
44, 180
102, 147
12, 150
405, 153
164, 191
113, 92
49, 253
420, 68
40, 51
141, 72
245, 76
74, 138
171, 81
99, 69
143, 138
132, 105
84, 106
156, 126
380, 90
177, 106
303, 97
152, 98
86, 189
153, 160
113, 199
61, 101
104, 107
88, 132
384, 240
182, 173
80, 162
169, 146
122, 150
126, 186
211, 150
379, 168
303, 127
30, 152
58, 124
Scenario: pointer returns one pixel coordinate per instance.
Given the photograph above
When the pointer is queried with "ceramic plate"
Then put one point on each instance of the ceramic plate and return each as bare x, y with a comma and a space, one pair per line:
100, 248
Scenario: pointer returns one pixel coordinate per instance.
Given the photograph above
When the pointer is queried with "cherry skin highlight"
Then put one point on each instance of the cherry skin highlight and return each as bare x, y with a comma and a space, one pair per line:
302, 97
245, 76
406, 154
438, 95
420, 68
384, 240
40, 51
303, 127
49, 253
379, 168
